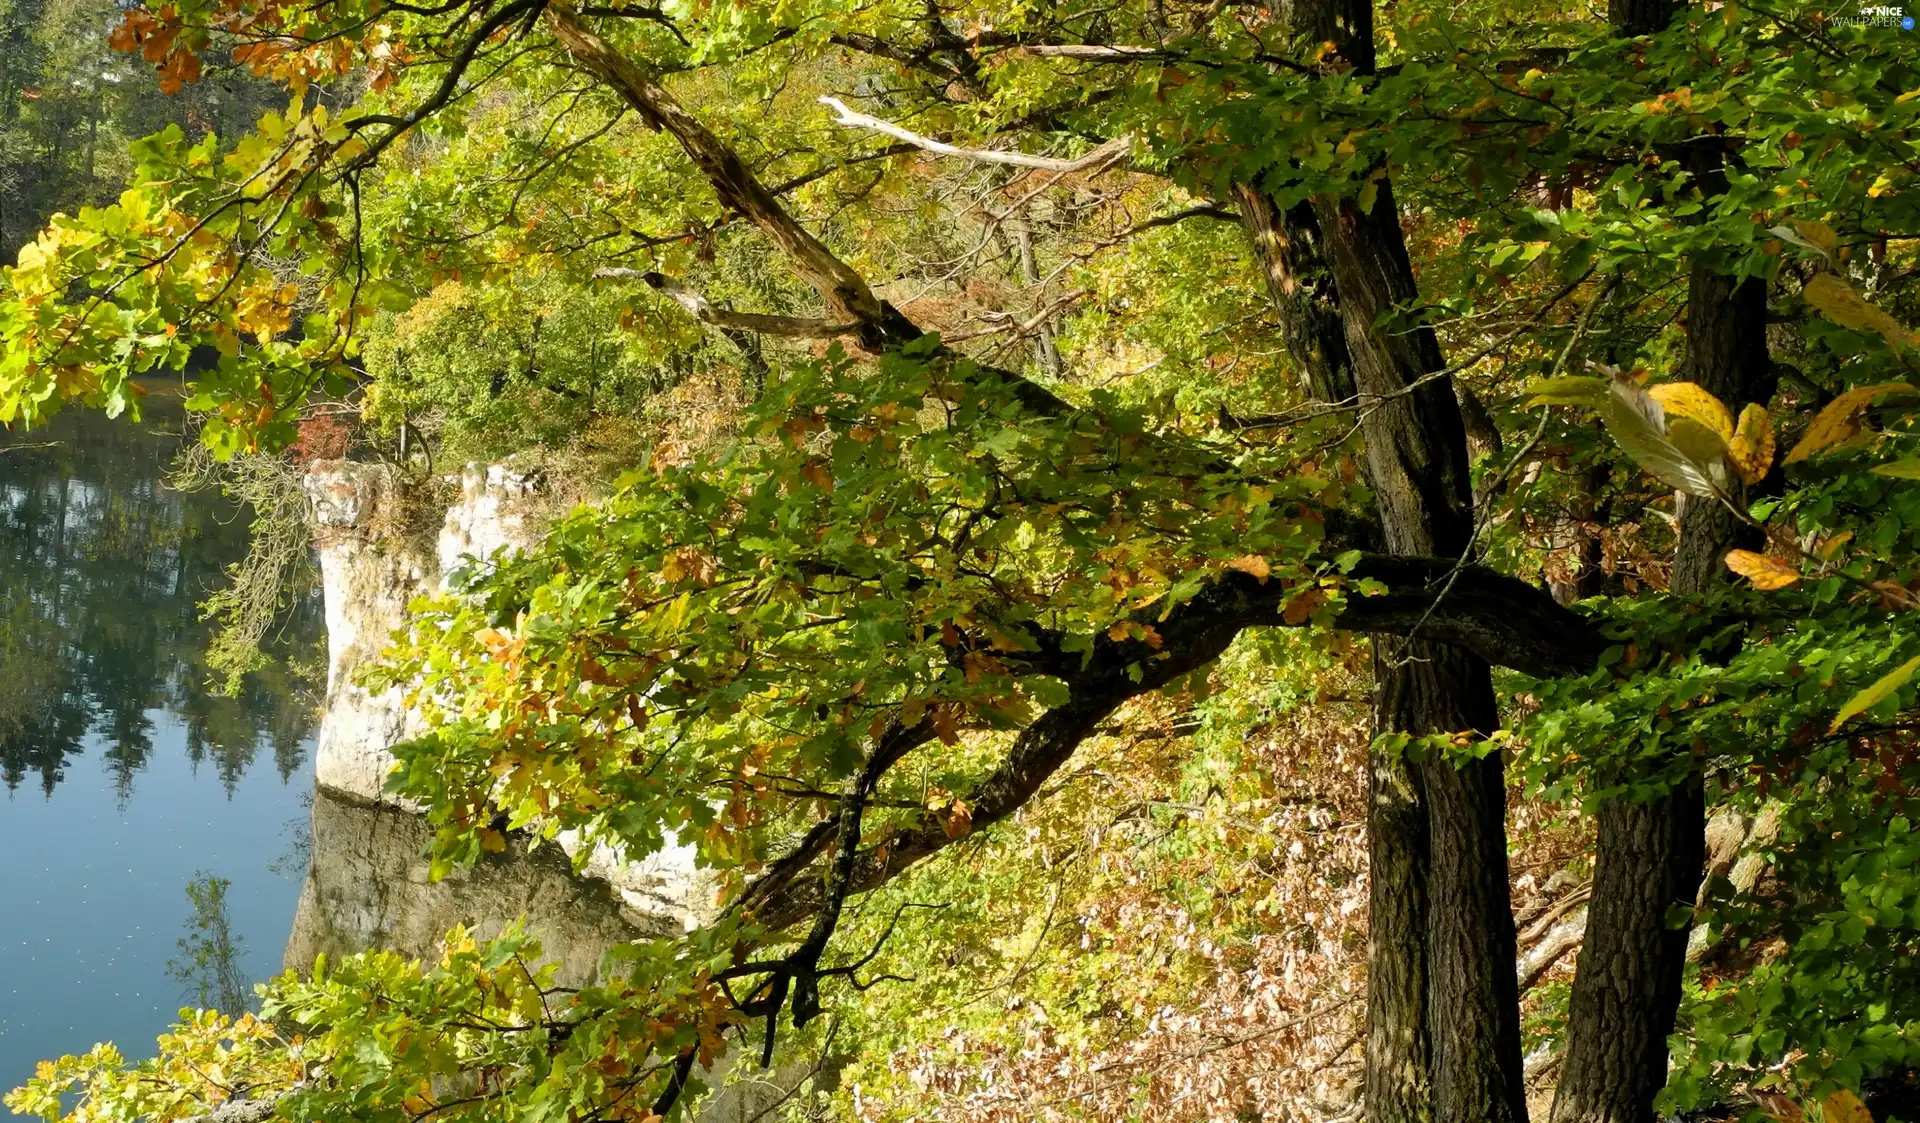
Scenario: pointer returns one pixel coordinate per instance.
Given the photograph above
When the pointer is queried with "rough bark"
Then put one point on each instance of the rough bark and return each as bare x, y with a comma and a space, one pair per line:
1473, 998
1417, 464
1640, 17
1650, 854
1443, 1032
1286, 246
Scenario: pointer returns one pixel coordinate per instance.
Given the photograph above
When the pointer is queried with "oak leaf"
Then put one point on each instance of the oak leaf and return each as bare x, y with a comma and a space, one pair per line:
1252, 564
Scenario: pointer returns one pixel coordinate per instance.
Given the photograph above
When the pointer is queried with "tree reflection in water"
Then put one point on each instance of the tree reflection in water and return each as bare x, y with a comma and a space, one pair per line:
102, 568
208, 967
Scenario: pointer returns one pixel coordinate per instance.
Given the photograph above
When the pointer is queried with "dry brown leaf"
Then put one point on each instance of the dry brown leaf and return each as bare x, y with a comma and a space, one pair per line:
1252, 564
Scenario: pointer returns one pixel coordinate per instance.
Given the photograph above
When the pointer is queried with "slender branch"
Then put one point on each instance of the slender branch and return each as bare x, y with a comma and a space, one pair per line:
1101, 157
725, 319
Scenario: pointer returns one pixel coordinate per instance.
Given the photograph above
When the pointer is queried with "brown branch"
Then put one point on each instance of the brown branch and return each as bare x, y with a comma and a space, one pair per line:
1557, 941
847, 295
1501, 618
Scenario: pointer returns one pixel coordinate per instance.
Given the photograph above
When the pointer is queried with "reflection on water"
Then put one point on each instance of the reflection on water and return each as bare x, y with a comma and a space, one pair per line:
208, 966
101, 571
367, 887
126, 779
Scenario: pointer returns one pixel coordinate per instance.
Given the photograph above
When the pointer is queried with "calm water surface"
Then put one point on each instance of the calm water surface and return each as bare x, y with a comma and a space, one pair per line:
124, 778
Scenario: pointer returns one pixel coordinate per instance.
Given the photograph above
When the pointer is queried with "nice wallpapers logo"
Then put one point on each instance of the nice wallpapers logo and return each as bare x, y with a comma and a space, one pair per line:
1877, 17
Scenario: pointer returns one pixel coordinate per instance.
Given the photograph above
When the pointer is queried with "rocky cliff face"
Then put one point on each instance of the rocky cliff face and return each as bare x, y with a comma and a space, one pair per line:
367, 884
367, 887
372, 564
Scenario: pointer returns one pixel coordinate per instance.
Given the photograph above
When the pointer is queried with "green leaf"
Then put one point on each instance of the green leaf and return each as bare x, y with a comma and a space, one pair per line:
1907, 469
1570, 390
1873, 695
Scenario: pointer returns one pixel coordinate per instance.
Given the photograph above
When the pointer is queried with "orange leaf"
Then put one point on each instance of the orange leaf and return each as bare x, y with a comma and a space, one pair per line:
1765, 572
1252, 564
1302, 606
959, 819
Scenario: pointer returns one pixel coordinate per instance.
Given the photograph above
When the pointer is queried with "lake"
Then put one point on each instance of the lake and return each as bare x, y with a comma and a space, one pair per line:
126, 779
164, 844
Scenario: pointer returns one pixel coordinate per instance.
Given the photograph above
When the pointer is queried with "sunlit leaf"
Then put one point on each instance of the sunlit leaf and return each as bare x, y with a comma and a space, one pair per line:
1751, 449
1873, 695
1907, 469
1690, 400
1835, 421
1695, 463
1839, 301
1764, 572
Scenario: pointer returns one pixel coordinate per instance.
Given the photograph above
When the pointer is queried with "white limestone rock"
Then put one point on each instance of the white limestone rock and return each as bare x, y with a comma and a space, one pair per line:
369, 577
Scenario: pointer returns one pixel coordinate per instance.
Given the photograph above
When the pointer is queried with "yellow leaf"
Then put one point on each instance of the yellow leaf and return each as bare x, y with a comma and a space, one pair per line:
1834, 423
1845, 1107
492, 841
1679, 451
1818, 233
1846, 307
1751, 449
1872, 696
1765, 572
1691, 400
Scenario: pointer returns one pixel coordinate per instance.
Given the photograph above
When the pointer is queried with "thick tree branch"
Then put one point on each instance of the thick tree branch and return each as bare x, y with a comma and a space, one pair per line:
847, 295
1501, 618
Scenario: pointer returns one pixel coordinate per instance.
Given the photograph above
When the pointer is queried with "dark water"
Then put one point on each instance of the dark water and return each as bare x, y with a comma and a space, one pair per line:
125, 778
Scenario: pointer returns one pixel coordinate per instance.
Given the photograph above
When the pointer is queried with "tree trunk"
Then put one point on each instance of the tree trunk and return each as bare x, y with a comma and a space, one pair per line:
1650, 854
1443, 1036
1417, 463
1288, 246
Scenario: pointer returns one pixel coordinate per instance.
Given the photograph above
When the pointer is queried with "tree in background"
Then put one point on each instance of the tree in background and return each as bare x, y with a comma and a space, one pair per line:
69, 104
